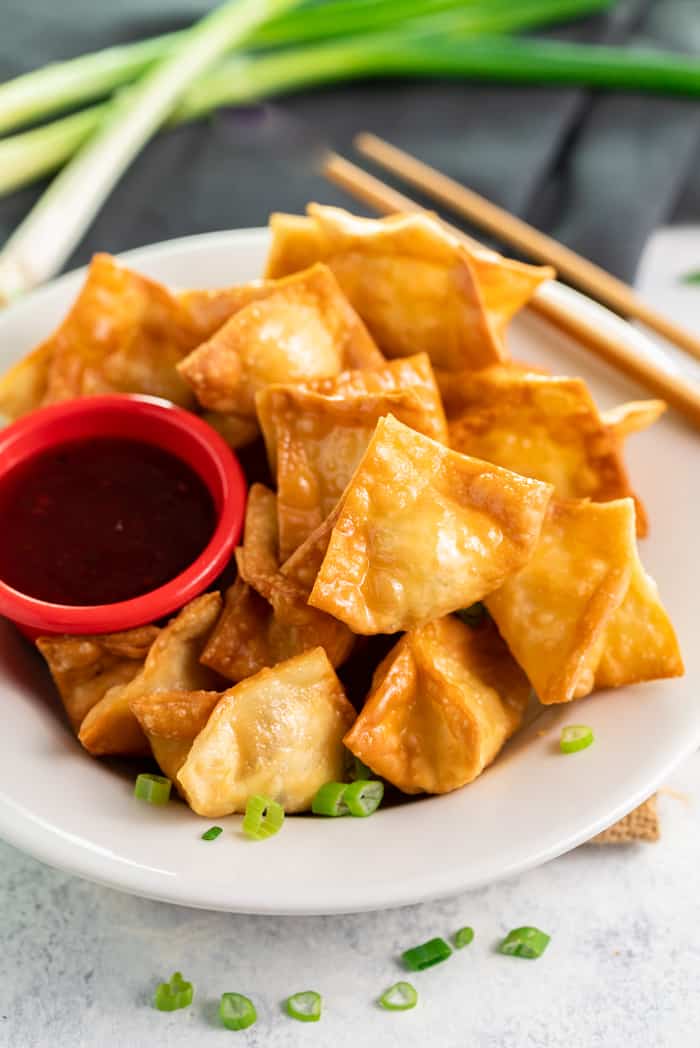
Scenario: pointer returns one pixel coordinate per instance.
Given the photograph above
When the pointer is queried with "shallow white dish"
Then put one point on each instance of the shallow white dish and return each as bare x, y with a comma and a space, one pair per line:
79, 814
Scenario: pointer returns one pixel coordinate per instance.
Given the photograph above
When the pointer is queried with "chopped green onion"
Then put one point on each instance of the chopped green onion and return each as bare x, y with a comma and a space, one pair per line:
175, 994
693, 277
425, 956
154, 789
575, 737
263, 817
474, 615
399, 997
363, 797
524, 942
330, 800
304, 1006
463, 937
236, 1011
362, 770
212, 833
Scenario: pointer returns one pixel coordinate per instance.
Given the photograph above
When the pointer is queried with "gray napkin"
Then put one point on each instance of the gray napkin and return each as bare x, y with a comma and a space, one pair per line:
598, 171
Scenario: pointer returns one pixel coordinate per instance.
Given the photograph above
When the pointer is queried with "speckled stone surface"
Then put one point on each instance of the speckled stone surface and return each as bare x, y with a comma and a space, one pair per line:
79, 963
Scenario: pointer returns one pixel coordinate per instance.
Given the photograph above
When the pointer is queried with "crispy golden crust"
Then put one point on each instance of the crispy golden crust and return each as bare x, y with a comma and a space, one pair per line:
172, 663
85, 668
279, 733
442, 704
422, 531
171, 721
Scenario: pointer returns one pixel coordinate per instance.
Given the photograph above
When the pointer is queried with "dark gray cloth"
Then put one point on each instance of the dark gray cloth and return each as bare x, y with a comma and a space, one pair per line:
598, 171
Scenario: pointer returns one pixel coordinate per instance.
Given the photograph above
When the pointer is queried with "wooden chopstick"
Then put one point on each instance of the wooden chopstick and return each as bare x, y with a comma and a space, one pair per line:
496, 221
678, 391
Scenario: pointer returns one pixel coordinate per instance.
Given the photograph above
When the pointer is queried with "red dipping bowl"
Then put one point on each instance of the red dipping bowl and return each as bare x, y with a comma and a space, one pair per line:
152, 421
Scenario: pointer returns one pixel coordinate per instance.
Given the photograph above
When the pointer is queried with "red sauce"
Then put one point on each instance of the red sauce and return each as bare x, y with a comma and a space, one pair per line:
100, 521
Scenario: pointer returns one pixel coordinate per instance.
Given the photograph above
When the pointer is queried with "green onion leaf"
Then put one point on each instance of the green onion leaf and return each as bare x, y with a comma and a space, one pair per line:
524, 942
330, 800
362, 770
474, 615
154, 789
425, 956
175, 994
212, 833
575, 737
692, 277
236, 1011
463, 937
263, 817
304, 1006
399, 997
363, 797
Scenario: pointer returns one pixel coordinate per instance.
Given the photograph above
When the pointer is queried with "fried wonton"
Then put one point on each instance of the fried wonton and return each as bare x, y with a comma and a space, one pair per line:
416, 286
279, 733
171, 664
314, 444
171, 721
85, 668
422, 531
304, 328
124, 333
543, 427
582, 593
442, 704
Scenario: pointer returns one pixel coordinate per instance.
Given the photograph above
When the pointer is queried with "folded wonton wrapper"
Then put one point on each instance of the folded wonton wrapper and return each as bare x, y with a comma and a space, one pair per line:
279, 733
171, 721
266, 618
442, 704
85, 668
171, 664
416, 286
582, 613
303, 328
422, 531
314, 444
548, 428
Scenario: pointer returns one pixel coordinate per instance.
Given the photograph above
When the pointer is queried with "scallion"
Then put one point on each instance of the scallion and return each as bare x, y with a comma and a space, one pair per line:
263, 818
361, 770
171, 996
304, 1006
154, 789
575, 737
525, 942
426, 955
464, 937
363, 797
212, 833
236, 1011
330, 800
399, 998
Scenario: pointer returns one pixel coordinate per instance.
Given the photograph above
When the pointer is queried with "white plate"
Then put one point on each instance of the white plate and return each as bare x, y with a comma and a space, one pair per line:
533, 804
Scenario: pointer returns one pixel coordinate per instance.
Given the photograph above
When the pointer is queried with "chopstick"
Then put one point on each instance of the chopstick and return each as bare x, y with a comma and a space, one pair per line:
498, 222
676, 390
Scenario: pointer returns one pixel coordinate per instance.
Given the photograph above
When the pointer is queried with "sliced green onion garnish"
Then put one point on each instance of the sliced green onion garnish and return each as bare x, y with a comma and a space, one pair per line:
212, 833
263, 817
474, 615
524, 942
575, 737
399, 997
463, 937
330, 799
304, 1006
236, 1011
154, 789
175, 994
362, 770
364, 796
692, 277
425, 956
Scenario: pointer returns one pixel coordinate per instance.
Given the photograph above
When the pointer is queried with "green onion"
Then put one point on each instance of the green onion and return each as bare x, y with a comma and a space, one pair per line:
425, 956
330, 800
154, 789
304, 1006
363, 797
474, 615
575, 737
43, 241
212, 833
399, 997
361, 770
463, 937
524, 942
171, 996
263, 818
236, 1011
693, 277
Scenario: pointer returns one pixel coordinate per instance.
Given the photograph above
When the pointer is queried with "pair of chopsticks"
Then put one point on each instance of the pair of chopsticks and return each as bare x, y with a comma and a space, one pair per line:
680, 392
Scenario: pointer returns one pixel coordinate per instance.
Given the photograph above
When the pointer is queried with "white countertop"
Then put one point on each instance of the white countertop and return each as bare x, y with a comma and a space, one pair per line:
79, 963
